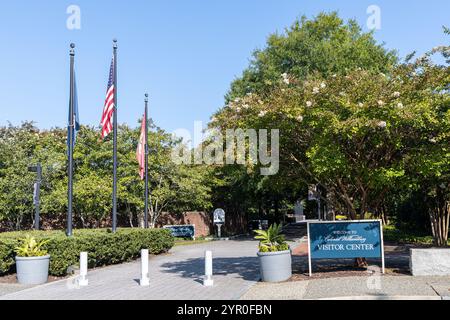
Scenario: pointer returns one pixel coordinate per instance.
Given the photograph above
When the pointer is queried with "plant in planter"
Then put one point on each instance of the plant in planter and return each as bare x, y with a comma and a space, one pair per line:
274, 255
32, 261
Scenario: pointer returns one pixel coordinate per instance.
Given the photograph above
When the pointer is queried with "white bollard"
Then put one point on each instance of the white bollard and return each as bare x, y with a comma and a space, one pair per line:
144, 281
208, 281
82, 279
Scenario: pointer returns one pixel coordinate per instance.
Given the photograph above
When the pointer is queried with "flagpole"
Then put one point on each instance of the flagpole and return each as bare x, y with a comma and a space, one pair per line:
146, 161
70, 144
114, 212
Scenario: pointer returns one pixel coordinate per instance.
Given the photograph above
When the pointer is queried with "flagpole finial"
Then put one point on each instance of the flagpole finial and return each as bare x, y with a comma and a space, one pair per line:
72, 47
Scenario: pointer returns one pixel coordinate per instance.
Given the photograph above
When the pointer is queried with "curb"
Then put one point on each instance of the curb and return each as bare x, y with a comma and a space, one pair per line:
386, 298
226, 238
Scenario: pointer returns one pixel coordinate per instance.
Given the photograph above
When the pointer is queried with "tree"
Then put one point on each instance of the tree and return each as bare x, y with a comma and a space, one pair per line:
360, 135
16, 183
324, 45
172, 188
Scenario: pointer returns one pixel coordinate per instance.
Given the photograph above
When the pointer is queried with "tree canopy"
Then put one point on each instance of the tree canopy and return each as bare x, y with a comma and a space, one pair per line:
363, 127
172, 188
325, 44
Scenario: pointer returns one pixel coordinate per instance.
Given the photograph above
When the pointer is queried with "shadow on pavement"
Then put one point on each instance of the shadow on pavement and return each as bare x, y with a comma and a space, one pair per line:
246, 268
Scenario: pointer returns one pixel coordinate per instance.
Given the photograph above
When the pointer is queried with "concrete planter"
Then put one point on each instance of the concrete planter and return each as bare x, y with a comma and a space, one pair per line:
430, 262
32, 270
275, 266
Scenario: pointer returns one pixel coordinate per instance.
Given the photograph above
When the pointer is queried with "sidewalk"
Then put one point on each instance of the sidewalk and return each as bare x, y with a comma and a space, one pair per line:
390, 287
332, 280
177, 275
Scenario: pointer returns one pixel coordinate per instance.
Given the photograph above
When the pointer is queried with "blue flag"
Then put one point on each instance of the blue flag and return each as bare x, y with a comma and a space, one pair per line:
76, 127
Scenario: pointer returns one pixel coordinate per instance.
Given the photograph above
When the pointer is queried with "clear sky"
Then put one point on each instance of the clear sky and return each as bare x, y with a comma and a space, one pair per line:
184, 53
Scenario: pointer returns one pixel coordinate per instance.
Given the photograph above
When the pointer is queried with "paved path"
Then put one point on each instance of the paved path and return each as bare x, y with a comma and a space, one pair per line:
177, 275
388, 287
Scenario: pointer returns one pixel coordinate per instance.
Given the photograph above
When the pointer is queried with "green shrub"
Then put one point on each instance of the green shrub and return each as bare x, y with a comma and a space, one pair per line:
394, 234
103, 247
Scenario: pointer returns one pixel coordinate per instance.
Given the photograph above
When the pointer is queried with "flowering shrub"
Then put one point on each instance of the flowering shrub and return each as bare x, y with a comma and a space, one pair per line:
363, 134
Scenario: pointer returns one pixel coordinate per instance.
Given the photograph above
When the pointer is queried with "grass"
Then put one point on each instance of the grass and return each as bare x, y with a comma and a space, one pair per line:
391, 233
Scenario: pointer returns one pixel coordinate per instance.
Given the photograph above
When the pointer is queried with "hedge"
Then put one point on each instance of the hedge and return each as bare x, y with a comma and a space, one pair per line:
103, 247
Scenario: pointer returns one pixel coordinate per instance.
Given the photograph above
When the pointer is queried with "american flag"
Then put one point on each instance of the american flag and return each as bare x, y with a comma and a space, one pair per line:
108, 108
140, 152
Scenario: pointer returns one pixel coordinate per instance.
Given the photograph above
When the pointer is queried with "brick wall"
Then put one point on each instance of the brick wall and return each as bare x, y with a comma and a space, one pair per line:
201, 220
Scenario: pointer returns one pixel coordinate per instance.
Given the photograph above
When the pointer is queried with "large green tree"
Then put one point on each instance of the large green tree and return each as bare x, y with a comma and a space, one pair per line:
361, 136
172, 188
325, 44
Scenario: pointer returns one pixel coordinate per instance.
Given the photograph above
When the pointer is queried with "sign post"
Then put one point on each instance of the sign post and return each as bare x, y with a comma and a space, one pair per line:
309, 251
345, 239
219, 220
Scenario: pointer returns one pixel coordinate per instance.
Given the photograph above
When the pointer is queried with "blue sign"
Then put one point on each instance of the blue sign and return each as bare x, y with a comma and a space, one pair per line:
183, 231
334, 240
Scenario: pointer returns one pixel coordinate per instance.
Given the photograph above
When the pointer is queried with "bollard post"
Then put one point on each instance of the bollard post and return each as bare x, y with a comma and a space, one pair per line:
208, 281
82, 280
144, 281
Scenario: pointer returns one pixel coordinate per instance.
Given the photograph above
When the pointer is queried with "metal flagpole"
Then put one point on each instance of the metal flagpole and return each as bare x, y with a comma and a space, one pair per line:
114, 212
70, 142
146, 160
38, 189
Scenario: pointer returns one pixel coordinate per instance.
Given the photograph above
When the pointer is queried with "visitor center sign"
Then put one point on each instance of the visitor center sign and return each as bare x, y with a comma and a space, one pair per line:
345, 239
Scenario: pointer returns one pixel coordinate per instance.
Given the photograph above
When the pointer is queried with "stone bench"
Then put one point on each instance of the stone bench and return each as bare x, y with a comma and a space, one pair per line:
430, 262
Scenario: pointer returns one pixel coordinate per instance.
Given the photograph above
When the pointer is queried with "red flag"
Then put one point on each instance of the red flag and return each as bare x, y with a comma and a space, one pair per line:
140, 152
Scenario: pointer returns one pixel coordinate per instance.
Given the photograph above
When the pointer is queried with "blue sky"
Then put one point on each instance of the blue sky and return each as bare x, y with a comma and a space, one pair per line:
184, 53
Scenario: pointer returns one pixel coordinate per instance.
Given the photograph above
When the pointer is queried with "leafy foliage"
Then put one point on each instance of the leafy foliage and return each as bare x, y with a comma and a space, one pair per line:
365, 134
271, 240
104, 248
325, 45
172, 188
322, 47
29, 247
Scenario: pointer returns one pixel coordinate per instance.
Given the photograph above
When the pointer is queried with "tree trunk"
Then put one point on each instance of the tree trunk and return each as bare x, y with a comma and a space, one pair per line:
83, 222
361, 263
439, 218
18, 222
141, 221
130, 215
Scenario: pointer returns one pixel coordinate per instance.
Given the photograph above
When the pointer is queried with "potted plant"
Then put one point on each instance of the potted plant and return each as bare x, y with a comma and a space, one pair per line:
274, 255
32, 261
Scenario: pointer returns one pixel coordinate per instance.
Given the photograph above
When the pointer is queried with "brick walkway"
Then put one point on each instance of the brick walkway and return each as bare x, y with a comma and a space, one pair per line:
177, 275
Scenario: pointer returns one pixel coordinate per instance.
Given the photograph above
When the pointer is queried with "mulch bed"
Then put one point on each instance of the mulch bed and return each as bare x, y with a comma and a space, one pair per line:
11, 279
340, 272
